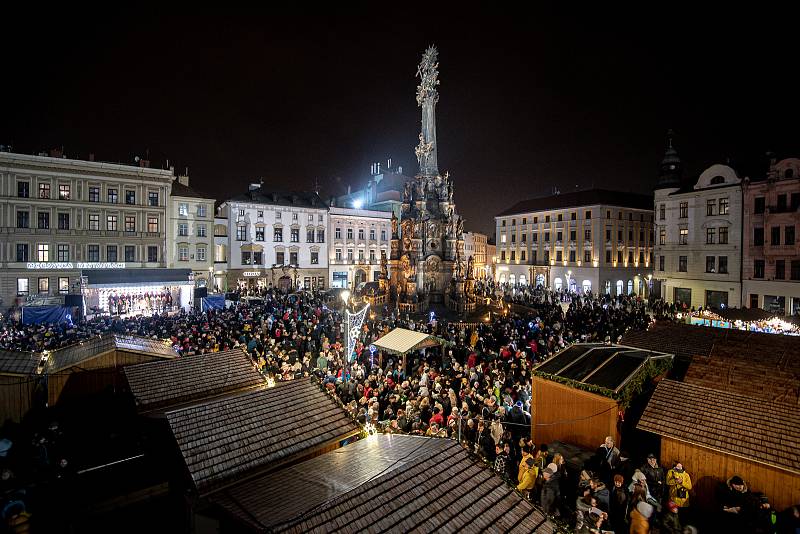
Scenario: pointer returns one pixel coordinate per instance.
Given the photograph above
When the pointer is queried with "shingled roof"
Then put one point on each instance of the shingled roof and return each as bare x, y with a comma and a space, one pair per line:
18, 363
726, 422
241, 435
78, 353
590, 197
680, 339
156, 385
433, 486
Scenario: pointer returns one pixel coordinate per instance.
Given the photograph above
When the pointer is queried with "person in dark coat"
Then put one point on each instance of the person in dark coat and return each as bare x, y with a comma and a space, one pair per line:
618, 505
654, 474
550, 492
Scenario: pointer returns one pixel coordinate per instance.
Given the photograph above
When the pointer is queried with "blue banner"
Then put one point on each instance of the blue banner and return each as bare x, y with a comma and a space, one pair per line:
46, 314
216, 302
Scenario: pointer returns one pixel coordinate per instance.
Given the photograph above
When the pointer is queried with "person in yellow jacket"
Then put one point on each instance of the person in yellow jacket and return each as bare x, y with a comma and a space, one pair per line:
528, 474
679, 483
523, 466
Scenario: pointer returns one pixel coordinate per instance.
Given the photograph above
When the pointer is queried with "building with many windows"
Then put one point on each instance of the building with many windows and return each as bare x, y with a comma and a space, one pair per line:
475, 248
771, 264
357, 239
190, 241
595, 241
698, 250
275, 239
70, 226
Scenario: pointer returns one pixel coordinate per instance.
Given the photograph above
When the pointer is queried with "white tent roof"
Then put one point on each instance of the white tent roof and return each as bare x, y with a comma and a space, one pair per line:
401, 340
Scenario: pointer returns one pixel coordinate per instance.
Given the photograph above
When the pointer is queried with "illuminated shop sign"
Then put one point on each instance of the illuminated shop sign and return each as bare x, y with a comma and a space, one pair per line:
251, 273
77, 265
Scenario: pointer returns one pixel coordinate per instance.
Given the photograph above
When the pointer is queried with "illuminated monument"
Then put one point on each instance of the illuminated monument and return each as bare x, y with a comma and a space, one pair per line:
427, 248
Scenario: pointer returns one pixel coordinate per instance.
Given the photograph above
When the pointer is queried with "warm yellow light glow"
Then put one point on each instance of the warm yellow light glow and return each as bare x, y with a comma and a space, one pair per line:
595, 263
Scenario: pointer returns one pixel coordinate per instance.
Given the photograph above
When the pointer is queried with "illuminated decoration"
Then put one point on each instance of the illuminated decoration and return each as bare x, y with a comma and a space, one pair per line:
354, 322
251, 273
357, 203
38, 266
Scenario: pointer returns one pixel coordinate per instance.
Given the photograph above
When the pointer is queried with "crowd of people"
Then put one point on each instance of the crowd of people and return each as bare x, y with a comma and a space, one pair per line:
476, 389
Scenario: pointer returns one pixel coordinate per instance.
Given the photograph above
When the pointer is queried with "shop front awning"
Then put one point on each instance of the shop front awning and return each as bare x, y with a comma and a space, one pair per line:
135, 277
401, 341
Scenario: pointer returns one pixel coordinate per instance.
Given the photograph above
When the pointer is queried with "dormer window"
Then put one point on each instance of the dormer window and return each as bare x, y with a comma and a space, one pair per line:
788, 173
717, 180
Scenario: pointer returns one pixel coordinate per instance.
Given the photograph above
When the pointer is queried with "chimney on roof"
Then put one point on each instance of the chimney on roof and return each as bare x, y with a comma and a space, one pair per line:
254, 186
274, 197
400, 170
348, 189
377, 168
295, 198
389, 164
183, 180
91, 156
57, 152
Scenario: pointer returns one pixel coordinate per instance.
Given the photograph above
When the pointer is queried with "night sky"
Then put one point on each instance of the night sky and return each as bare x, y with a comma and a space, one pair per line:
527, 101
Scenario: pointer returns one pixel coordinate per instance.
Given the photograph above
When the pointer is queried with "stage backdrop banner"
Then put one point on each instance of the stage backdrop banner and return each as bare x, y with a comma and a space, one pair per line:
46, 314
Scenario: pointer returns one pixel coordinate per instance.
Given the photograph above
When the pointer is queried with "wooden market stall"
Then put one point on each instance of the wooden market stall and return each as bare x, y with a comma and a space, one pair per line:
717, 434
20, 372
401, 341
92, 365
579, 393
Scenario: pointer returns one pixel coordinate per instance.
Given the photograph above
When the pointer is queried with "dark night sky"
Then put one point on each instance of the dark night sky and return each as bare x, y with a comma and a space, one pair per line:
527, 101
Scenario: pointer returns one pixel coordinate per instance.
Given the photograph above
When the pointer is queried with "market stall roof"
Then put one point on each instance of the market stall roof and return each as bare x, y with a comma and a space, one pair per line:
605, 366
160, 384
72, 355
235, 437
19, 363
739, 425
415, 482
133, 277
401, 341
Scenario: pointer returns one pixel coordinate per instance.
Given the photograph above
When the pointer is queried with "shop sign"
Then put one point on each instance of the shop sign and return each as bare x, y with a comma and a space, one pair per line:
38, 266
251, 274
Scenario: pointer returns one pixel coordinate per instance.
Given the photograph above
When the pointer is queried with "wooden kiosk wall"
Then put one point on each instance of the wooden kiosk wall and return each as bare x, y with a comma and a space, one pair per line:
709, 468
571, 415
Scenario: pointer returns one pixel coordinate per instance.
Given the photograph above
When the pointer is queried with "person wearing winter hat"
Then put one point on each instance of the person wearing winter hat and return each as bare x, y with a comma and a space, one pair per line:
640, 518
670, 521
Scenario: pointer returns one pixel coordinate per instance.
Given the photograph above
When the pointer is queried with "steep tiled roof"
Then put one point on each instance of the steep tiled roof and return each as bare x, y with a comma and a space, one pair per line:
156, 385
180, 190
730, 423
300, 199
86, 350
438, 488
590, 197
18, 363
240, 435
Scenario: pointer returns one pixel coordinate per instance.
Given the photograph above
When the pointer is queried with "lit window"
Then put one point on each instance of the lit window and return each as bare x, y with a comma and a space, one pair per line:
63, 192
183, 209
43, 252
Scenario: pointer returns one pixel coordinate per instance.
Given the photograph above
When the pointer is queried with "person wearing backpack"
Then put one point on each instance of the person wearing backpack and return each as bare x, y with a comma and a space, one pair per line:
679, 483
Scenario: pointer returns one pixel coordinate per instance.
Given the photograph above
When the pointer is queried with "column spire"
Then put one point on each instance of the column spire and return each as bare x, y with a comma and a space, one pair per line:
427, 96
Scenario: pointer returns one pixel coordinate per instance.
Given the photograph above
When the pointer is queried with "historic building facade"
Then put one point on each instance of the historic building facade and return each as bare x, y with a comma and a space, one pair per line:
475, 248
64, 218
595, 241
698, 251
274, 240
190, 240
358, 238
771, 264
